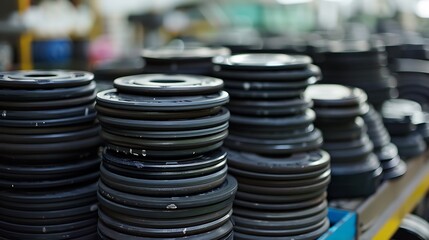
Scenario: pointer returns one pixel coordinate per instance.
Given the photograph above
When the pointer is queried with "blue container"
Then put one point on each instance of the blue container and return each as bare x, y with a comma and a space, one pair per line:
52, 51
343, 225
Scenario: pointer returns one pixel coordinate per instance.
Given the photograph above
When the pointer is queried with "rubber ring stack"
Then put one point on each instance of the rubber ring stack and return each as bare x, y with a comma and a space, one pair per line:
356, 170
164, 174
181, 60
273, 147
48, 155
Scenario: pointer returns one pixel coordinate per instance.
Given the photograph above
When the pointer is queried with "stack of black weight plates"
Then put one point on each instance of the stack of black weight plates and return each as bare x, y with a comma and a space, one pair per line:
402, 119
358, 64
164, 175
48, 155
273, 147
181, 60
355, 169
413, 80
387, 152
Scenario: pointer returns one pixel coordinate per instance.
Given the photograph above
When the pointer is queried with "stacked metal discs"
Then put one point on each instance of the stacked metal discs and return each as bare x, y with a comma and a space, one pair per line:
401, 118
358, 64
181, 60
387, 152
163, 173
413, 80
356, 171
273, 147
48, 155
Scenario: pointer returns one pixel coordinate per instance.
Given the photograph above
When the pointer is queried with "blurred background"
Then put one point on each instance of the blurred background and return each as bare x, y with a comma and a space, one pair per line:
88, 34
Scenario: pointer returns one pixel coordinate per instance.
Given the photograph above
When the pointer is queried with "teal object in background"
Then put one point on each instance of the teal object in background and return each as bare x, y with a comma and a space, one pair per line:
343, 225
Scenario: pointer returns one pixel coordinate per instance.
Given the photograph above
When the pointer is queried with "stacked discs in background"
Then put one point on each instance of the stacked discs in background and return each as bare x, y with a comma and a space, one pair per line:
49, 165
355, 169
358, 64
181, 60
273, 147
387, 152
164, 174
106, 72
402, 118
413, 80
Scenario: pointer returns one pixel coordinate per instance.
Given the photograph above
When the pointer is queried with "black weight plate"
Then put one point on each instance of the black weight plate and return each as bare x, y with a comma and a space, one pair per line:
279, 206
204, 69
49, 221
289, 227
279, 199
289, 183
368, 164
46, 94
83, 201
59, 168
262, 61
220, 233
35, 184
49, 214
48, 158
68, 146
146, 115
42, 123
355, 186
49, 196
168, 85
168, 187
268, 85
244, 187
344, 145
331, 95
282, 176
45, 130
294, 164
338, 113
181, 124
167, 214
165, 175
47, 229
168, 223
389, 164
265, 94
304, 236
47, 114
122, 227
76, 233
272, 134
351, 154
291, 122
218, 194
269, 108
163, 153
275, 76
395, 172
164, 165
49, 104
310, 142
281, 225
387, 152
114, 99
191, 54
41, 79
50, 138
159, 144
280, 215
168, 134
